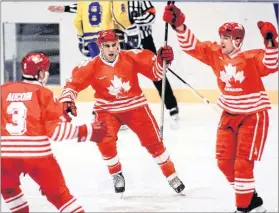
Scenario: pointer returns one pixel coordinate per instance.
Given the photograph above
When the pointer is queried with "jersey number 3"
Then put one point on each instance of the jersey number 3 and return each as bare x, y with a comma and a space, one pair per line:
18, 111
94, 13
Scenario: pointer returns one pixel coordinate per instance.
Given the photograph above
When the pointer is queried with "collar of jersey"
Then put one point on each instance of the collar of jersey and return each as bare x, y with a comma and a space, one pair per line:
32, 82
110, 64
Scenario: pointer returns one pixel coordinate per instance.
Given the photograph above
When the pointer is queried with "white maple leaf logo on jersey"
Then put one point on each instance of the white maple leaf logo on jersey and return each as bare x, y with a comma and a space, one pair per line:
230, 76
119, 88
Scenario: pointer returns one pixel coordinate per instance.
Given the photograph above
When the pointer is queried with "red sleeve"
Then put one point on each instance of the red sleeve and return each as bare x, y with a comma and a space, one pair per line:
197, 49
146, 64
55, 124
81, 77
266, 61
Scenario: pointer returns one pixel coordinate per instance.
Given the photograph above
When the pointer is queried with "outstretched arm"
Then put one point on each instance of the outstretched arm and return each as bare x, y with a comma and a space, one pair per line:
80, 80
58, 128
72, 8
63, 8
188, 41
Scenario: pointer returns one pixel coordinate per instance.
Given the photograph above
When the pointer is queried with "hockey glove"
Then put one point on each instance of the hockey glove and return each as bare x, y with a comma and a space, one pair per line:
132, 37
173, 16
82, 48
165, 54
269, 34
69, 106
92, 132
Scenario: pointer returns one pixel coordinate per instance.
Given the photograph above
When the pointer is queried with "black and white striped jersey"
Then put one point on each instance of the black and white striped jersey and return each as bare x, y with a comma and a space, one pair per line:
138, 15
72, 8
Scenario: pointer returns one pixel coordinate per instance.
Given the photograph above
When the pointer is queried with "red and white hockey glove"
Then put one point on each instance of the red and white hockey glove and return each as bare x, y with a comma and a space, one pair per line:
92, 132
173, 16
165, 53
269, 34
67, 98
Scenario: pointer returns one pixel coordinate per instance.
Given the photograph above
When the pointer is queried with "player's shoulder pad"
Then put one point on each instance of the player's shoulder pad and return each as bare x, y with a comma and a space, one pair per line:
134, 52
252, 53
214, 46
7, 84
45, 91
86, 62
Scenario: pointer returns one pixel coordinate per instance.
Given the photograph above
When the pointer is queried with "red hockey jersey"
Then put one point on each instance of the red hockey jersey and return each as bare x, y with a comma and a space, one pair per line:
238, 77
30, 115
116, 84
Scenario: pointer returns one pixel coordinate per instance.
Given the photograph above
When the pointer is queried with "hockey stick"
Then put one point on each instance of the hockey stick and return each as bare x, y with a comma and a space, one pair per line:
164, 79
196, 92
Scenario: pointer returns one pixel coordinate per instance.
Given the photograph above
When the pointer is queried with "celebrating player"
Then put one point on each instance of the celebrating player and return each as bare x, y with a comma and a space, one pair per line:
243, 126
119, 100
31, 115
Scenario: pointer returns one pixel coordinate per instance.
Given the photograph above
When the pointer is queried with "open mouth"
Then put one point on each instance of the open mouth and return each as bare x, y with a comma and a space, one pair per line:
111, 55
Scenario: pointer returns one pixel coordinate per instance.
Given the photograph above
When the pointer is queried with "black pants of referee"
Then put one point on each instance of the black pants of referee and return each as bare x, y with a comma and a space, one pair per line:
170, 100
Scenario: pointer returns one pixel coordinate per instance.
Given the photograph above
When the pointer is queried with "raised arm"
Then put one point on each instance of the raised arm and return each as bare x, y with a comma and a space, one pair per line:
188, 42
150, 65
267, 60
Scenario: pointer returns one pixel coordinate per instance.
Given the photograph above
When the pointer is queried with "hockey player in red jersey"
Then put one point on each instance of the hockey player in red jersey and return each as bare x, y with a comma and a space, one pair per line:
119, 100
243, 126
31, 116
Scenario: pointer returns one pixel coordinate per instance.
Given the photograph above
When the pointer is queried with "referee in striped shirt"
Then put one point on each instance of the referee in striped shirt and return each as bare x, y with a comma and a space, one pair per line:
141, 13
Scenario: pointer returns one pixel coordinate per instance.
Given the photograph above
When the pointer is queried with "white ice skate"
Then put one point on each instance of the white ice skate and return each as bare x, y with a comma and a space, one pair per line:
119, 183
176, 183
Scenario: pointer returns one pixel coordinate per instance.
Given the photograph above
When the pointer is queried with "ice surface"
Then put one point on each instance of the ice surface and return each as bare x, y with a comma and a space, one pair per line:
191, 147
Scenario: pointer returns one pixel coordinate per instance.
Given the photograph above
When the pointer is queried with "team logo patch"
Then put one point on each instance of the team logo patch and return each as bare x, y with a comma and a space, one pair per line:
122, 7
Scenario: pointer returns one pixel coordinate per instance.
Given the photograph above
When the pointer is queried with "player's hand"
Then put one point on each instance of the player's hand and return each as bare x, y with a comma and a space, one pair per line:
173, 16
269, 33
93, 132
165, 54
132, 36
56, 8
69, 106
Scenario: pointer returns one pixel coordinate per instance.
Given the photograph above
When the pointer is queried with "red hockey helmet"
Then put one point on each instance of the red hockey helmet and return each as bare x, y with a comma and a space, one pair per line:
106, 36
233, 29
32, 63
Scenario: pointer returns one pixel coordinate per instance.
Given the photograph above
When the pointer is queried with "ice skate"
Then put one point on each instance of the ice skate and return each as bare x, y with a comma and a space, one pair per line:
174, 118
119, 182
255, 205
176, 184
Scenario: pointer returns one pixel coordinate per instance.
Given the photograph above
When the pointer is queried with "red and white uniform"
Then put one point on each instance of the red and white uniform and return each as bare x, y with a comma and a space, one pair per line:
239, 76
120, 100
30, 115
116, 84
243, 126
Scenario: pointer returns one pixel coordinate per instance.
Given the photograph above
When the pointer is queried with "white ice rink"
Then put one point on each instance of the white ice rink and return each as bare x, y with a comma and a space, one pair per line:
192, 148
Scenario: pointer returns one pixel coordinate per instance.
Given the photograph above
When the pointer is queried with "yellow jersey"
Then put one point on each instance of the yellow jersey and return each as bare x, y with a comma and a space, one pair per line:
120, 14
93, 17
